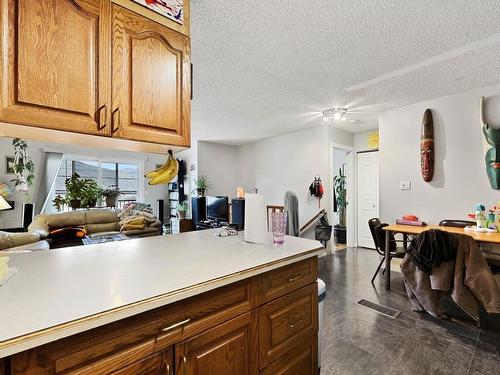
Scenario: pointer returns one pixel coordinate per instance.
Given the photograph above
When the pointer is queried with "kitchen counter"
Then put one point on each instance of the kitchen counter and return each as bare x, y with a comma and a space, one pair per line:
59, 293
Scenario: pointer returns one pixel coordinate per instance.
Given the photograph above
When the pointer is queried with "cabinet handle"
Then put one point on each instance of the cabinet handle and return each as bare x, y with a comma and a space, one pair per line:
99, 127
293, 278
114, 128
295, 323
169, 328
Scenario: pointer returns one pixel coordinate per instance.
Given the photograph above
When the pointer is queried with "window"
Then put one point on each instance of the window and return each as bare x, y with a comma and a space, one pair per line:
106, 173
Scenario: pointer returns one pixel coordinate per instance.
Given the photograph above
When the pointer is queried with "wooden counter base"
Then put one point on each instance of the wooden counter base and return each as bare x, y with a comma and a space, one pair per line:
247, 327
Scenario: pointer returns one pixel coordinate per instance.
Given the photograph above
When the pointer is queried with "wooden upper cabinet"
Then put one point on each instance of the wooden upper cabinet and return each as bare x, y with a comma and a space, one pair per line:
53, 63
151, 83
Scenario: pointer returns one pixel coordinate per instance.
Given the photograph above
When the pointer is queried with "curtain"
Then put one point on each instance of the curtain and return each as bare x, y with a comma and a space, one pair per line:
50, 167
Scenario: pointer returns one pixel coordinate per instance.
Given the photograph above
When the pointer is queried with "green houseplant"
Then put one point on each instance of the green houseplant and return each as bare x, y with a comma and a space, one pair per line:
201, 184
59, 202
182, 209
339, 185
74, 190
111, 194
92, 193
24, 168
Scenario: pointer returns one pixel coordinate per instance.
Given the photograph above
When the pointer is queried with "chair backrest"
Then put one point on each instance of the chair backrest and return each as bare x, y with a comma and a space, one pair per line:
456, 223
373, 224
378, 235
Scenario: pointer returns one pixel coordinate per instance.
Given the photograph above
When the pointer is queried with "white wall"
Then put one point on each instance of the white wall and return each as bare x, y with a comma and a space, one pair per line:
219, 163
146, 162
290, 162
460, 179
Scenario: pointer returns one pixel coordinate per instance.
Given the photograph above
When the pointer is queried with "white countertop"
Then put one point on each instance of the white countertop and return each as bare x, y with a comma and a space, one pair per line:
58, 293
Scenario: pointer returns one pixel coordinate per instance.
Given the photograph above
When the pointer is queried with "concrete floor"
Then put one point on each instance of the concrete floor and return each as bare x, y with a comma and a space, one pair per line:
356, 340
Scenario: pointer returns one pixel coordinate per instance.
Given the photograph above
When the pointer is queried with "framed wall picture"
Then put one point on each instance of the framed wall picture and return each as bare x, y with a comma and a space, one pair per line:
175, 14
172, 9
9, 165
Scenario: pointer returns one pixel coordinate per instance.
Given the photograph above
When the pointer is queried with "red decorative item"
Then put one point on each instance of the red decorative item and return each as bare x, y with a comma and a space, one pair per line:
316, 189
409, 217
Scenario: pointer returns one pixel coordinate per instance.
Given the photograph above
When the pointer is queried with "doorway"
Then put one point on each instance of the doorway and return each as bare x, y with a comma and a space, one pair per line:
367, 195
342, 192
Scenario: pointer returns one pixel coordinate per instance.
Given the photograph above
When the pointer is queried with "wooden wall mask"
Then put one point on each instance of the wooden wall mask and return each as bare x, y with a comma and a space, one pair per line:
491, 149
427, 147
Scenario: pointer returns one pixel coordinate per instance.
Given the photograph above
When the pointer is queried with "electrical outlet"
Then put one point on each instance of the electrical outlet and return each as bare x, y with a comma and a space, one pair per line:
405, 185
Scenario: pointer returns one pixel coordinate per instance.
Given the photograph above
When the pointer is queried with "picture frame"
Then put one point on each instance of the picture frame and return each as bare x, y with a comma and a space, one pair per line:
9, 165
171, 9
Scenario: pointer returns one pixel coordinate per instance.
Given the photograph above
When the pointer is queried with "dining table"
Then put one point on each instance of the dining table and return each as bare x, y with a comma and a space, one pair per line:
410, 230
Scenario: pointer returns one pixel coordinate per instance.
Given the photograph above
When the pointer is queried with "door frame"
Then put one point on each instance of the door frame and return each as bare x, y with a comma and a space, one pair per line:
351, 215
378, 184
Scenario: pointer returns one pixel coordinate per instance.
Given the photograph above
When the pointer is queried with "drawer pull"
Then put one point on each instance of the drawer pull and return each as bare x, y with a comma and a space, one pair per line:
184, 359
169, 328
168, 369
295, 323
105, 107
293, 278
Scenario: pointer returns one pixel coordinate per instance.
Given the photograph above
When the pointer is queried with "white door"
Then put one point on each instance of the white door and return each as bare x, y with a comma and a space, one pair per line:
367, 183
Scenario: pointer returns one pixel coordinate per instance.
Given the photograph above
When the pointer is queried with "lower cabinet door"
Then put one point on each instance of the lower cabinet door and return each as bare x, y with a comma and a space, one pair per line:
228, 349
157, 364
302, 360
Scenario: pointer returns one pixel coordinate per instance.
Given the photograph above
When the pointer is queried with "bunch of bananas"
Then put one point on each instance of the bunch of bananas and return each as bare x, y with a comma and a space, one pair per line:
165, 173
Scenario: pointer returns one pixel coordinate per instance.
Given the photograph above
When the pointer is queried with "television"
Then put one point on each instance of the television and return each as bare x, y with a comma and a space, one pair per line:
218, 208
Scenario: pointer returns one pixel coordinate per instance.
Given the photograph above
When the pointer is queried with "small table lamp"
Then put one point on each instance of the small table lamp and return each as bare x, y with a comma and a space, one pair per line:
4, 205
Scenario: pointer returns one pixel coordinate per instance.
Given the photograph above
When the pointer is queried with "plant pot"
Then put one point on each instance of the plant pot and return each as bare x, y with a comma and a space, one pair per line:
201, 192
110, 201
340, 232
75, 203
92, 204
181, 214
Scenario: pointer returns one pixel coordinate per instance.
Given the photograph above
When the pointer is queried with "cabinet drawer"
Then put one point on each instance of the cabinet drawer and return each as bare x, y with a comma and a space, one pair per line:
302, 360
144, 334
277, 283
157, 364
287, 322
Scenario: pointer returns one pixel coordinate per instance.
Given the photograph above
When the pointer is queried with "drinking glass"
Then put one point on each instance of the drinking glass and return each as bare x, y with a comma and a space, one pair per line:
279, 226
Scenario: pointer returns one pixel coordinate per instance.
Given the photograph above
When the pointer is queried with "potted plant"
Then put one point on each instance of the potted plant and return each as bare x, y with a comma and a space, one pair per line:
59, 202
23, 166
111, 194
339, 184
201, 184
92, 193
74, 191
182, 209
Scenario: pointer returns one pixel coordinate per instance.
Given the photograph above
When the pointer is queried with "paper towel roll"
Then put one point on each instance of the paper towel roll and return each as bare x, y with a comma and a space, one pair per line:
255, 219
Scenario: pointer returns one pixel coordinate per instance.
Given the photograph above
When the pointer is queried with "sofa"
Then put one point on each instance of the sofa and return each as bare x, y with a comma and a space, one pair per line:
96, 222
21, 242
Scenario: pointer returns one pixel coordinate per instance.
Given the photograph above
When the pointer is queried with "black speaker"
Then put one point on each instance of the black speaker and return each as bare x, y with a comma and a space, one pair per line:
238, 217
28, 212
161, 210
198, 209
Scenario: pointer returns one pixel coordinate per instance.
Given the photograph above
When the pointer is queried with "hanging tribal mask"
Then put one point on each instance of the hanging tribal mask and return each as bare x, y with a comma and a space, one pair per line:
492, 150
427, 147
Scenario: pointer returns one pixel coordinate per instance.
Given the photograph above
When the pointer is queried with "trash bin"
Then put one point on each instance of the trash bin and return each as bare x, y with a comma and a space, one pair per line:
321, 303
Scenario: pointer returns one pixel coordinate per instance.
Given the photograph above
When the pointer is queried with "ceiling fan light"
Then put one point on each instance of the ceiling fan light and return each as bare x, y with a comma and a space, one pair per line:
344, 118
337, 116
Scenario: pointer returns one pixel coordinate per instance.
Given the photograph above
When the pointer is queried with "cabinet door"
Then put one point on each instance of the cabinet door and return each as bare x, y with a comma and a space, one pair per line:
228, 349
157, 364
54, 61
151, 83
303, 360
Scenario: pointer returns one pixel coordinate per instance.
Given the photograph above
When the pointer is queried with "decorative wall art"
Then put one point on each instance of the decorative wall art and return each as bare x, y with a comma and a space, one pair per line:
491, 149
427, 147
172, 9
9, 165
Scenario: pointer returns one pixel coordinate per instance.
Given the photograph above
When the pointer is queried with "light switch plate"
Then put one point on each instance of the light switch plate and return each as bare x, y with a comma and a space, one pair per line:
405, 185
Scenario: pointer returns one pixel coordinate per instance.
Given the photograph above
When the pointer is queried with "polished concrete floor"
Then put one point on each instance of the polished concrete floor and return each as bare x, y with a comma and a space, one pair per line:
356, 340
